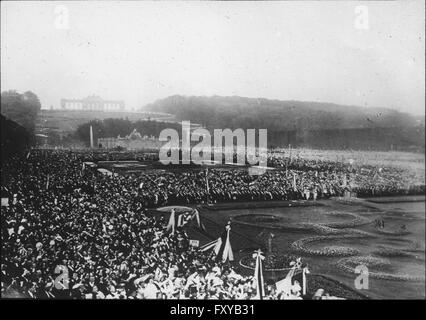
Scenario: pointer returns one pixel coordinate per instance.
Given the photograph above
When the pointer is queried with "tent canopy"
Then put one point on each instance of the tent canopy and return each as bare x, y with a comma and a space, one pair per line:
177, 209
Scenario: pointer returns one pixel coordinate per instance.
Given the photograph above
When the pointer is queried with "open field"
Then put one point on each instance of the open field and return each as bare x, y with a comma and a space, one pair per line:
401, 256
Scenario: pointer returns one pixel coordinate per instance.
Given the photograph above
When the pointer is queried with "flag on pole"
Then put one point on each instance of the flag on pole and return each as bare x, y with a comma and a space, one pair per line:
296, 273
258, 274
172, 222
28, 155
304, 282
299, 275
221, 246
179, 219
285, 284
225, 250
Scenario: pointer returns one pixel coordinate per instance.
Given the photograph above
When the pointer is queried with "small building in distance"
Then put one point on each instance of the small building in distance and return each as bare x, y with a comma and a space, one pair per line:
92, 103
133, 141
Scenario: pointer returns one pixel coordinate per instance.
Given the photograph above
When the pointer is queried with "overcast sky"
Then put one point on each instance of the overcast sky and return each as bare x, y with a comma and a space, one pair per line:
140, 52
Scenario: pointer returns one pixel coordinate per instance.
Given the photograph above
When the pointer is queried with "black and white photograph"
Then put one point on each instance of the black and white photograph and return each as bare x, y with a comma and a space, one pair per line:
213, 150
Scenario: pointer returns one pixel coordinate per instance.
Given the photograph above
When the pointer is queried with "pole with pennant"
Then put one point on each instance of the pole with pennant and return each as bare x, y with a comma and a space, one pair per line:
222, 246
305, 271
297, 272
258, 274
172, 222
297, 266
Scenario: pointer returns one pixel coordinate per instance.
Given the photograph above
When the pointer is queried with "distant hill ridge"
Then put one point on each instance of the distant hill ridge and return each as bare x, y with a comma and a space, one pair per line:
241, 112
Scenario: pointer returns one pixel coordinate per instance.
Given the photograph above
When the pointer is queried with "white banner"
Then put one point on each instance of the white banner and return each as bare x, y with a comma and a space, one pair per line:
194, 243
4, 202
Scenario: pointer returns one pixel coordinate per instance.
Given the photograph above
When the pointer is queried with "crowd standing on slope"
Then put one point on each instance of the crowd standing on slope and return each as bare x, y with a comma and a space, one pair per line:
73, 232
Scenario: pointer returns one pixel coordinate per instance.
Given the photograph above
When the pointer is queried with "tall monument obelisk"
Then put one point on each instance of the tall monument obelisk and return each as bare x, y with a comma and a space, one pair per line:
91, 137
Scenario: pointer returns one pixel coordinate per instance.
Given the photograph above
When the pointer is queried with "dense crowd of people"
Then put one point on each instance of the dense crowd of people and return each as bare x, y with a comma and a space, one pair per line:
365, 180
70, 231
